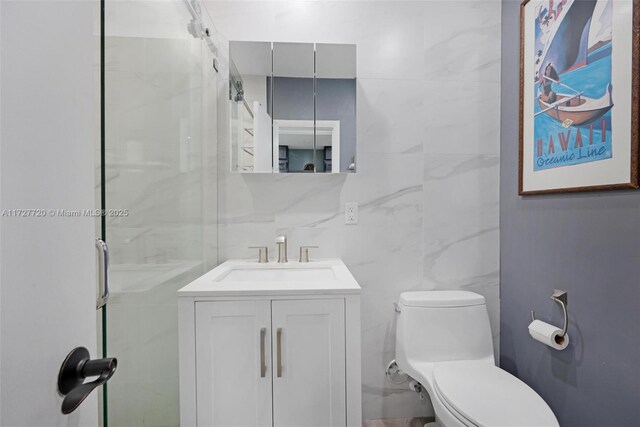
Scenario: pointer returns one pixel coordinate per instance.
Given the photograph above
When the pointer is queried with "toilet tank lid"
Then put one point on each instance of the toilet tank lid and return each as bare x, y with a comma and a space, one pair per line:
440, 299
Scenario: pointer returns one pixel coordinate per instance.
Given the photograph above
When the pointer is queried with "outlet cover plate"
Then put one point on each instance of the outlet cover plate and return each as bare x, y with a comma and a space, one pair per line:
351, 213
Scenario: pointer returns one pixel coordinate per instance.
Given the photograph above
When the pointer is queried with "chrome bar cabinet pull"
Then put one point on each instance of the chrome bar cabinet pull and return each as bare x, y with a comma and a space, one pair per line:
263, 363
279, 352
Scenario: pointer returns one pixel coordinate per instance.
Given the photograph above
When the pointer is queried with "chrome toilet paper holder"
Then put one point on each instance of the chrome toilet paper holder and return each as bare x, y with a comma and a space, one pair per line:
560, 297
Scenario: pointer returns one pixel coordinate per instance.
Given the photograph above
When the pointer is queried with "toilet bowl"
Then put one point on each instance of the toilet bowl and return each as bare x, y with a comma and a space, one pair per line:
443, 341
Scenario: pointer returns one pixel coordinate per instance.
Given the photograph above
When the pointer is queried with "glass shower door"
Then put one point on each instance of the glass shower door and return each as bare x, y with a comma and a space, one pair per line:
160, 226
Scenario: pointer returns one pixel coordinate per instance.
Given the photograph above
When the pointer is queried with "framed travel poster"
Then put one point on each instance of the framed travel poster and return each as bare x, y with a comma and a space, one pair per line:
579, 94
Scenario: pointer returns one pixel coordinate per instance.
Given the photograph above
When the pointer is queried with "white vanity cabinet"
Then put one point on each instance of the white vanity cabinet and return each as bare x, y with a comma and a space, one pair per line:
309, 382
275, 356
232, 362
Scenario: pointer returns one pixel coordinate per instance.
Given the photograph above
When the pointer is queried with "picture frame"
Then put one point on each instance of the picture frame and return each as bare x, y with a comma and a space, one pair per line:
579, 95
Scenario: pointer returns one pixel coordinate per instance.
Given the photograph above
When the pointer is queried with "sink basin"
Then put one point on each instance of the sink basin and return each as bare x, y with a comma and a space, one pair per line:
274, 274
244, 277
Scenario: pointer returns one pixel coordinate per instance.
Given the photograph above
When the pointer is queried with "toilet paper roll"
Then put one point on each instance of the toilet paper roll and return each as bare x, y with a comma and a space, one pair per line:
548, 334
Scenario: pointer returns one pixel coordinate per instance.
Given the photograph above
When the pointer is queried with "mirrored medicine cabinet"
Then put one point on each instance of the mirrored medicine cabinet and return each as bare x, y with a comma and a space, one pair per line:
292, 107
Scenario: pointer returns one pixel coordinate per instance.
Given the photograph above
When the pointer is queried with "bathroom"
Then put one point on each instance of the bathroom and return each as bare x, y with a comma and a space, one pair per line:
119, 122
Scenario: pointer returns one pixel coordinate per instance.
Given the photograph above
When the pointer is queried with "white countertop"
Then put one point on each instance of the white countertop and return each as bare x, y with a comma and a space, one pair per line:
216, 283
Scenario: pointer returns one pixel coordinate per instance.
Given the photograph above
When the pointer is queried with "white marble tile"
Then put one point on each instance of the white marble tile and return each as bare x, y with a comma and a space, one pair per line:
387, 188
461, 190
462, 41
389, 34
235, 201
320, 22
244, 20
380, 402
466, 258
234, 239
390, 40
461, 117
381, 398
124, 335
461, 257
305, 200
390, 116
158, 345
144, 404
385, 261
287, 200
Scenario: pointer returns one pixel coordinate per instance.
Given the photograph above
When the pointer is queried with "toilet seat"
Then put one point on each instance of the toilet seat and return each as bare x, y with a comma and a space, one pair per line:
480, 394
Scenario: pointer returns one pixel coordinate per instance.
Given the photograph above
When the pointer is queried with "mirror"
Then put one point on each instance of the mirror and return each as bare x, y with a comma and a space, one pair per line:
249, 75
292, 107
335, 107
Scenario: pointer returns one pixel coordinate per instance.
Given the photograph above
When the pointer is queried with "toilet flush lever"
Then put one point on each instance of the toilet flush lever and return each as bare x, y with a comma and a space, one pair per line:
560, 297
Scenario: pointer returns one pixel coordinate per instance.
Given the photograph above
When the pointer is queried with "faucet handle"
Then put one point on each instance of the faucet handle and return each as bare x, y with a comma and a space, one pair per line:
304, 253
263, 253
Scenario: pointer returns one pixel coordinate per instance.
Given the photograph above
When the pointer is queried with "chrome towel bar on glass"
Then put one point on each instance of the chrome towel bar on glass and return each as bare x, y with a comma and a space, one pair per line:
103, 266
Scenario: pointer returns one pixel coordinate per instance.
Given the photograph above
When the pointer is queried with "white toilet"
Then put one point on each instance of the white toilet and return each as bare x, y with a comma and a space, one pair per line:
443, 341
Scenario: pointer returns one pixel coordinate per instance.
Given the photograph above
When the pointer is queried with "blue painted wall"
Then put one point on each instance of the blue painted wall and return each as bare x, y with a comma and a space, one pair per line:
588, 244
293, 99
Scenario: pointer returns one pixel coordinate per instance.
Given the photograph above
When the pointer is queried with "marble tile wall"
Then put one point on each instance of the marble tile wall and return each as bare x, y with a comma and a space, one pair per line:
428, 162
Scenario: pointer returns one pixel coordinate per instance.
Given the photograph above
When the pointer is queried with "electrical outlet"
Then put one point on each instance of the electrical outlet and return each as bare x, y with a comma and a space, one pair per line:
351, 213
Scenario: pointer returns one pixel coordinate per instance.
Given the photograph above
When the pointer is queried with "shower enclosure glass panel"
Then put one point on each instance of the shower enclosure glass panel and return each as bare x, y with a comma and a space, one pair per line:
160, 148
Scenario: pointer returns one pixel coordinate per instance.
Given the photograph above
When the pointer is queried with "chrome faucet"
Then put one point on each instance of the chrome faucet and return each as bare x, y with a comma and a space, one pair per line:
281, 241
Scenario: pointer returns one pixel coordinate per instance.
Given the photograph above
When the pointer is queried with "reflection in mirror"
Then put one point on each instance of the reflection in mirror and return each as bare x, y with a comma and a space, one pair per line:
249, 75
293, 108
335, 147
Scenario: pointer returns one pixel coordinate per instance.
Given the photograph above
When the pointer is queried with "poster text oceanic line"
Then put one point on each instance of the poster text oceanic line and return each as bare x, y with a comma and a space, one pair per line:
564, 140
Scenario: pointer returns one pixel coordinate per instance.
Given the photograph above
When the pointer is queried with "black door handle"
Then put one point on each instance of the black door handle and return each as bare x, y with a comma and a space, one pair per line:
76, 367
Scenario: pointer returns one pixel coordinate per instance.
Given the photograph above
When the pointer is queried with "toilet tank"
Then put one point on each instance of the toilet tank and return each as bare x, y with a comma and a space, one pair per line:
436, 326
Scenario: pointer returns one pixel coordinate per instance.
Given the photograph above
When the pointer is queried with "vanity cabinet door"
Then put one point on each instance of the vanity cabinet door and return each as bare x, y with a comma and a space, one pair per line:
233, 363
308, 339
